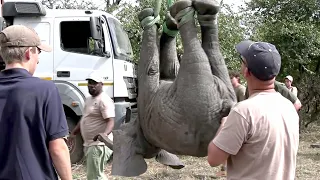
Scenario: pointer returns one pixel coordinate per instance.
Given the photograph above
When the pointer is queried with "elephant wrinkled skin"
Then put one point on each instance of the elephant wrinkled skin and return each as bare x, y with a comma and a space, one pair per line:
180, 105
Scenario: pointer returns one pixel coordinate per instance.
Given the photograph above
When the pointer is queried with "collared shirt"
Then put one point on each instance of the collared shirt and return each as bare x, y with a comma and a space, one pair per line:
96, 111
31, 115
263, 136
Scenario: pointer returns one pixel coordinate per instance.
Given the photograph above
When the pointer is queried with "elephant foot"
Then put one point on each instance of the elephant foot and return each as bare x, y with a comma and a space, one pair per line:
207, 20
169, 159
171, 22
209, 7
147, 19
182, 11
170, 26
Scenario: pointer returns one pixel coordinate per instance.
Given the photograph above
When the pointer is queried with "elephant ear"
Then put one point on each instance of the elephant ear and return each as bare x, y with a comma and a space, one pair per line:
128, 158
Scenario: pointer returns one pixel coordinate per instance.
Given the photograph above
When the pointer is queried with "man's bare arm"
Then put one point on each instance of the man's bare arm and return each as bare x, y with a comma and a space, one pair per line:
76, 130
297, 105
110, 125
59, 153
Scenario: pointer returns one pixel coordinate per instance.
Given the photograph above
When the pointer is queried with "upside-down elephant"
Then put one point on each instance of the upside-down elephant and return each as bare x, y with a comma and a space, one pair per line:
180, 104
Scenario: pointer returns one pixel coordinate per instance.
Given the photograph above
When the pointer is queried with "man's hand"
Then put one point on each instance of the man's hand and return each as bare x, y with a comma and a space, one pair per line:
104, 138
71, 138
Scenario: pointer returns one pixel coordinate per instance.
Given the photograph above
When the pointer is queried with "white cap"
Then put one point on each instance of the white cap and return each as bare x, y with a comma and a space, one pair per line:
290, 78
96, 77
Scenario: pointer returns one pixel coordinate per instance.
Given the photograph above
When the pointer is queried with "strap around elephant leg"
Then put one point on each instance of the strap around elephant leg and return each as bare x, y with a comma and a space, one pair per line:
172, 33
149, 21
207, 20
184, 16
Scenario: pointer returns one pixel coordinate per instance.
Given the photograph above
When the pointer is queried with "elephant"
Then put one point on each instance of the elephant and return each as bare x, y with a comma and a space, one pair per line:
180, 104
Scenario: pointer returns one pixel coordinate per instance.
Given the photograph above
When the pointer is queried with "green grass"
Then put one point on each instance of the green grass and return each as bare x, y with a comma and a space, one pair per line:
308, 164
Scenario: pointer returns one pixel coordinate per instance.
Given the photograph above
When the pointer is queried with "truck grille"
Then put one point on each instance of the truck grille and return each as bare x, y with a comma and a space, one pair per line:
131, 87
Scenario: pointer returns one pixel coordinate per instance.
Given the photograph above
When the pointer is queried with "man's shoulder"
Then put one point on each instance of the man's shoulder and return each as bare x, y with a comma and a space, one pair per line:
241, 87
42, 85
105, 98
39, 83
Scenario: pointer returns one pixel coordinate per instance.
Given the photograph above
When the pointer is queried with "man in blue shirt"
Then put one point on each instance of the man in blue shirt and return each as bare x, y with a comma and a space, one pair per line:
32, 120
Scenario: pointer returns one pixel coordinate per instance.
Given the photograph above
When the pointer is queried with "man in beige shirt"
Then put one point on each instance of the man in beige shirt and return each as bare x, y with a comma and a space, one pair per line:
98, 117
260, 138
288, 82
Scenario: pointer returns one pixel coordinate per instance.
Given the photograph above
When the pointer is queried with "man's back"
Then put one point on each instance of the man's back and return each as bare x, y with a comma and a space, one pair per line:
26, 125
271, 127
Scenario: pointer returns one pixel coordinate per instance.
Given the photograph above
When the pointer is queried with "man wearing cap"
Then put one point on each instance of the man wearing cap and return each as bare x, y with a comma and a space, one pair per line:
32, 119
260, 137
288, 82
98, 117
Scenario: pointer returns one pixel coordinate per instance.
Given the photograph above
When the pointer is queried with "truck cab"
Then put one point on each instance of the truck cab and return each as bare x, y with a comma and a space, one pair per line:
83, 42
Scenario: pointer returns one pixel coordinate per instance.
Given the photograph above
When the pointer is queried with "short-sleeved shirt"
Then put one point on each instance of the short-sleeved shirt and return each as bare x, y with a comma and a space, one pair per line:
31, 115
262, 138
282, 89
96, 111
240, 92
294, 90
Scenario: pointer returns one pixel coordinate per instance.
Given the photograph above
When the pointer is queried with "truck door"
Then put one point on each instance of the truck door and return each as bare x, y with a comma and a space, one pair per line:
43, 27
74, 56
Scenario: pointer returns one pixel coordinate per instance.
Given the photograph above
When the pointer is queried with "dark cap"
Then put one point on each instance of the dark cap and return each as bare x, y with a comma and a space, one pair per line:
22, 36
262, 59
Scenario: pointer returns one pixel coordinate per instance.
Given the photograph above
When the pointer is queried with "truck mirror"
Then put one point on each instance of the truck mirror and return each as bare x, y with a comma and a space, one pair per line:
95, 27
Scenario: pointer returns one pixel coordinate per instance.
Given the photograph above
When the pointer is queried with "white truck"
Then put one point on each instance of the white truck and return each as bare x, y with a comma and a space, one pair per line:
83, 41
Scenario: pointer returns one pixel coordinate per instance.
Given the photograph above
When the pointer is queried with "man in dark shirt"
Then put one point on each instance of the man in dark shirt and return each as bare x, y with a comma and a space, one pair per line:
32, 120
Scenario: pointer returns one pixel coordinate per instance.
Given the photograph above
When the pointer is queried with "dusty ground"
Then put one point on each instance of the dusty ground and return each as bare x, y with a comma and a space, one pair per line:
308, 164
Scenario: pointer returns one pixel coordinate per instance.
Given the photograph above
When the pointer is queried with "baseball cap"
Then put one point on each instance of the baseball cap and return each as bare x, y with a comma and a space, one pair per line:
290, 78
262, 59
22, 36
96, 77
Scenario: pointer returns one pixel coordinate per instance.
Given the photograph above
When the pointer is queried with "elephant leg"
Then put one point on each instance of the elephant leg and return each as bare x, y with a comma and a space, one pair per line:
207, 16
169, 64
169, 159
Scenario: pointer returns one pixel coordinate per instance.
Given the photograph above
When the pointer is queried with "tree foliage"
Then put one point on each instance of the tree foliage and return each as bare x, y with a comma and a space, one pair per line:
293, 26
108, 5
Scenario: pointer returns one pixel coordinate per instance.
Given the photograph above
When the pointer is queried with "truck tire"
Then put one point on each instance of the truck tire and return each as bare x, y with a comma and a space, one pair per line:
76, 145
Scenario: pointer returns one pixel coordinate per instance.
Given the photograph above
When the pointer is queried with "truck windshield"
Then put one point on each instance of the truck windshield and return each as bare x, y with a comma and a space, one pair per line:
120, 40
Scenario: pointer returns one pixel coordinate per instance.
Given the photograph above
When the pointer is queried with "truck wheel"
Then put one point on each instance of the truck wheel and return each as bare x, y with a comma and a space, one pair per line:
76, 145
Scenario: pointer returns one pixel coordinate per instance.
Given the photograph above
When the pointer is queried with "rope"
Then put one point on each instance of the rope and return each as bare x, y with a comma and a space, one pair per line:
149, 21
169, 4
157, 7
169, 32
184, 16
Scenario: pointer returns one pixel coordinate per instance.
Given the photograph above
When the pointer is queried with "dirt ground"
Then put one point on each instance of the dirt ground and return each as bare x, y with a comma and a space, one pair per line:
308, 164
